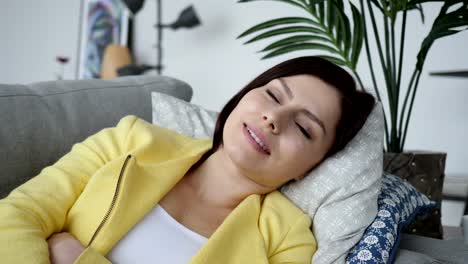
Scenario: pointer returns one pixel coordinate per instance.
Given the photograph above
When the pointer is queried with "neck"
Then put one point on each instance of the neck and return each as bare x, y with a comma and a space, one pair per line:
218, 183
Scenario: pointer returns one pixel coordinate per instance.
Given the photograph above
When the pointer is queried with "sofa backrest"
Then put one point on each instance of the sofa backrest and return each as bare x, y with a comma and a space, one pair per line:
40, 122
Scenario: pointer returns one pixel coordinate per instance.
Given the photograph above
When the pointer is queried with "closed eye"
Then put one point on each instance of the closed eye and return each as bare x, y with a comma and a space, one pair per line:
304, 131
272, 96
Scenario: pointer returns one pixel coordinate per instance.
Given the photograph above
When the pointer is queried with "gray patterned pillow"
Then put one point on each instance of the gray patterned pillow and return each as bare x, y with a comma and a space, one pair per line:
186, 118
340, 195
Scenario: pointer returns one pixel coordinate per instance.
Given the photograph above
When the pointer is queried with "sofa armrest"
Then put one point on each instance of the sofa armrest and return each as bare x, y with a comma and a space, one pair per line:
41, 121
411, 257
445, 251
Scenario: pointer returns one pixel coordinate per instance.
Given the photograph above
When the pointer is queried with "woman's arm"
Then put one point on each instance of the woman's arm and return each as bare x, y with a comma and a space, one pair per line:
38, 208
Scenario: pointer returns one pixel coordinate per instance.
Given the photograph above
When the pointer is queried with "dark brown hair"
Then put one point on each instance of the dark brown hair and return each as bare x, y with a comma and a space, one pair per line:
356, 105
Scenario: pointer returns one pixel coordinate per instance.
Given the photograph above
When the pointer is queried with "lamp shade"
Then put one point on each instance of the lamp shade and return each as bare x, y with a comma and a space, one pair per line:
115, 56
452, 74
134, 5
188, 18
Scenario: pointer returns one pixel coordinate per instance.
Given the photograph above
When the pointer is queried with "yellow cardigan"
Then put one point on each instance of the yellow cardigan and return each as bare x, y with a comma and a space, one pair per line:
108, 182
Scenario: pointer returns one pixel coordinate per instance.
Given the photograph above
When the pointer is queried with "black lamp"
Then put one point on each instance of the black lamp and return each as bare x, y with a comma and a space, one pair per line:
187, 19
456, 73
134, 5
133, 69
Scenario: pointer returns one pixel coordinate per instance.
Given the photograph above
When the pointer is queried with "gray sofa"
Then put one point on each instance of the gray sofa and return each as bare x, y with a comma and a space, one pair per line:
41, 121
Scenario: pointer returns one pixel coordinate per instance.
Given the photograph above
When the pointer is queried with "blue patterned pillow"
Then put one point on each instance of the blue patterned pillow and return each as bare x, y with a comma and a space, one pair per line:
398, 204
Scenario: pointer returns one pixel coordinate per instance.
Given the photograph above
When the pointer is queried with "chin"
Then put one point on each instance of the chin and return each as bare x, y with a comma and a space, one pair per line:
239, 155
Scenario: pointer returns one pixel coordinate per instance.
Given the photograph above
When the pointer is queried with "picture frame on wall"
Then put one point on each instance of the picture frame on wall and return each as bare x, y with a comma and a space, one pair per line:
102, 22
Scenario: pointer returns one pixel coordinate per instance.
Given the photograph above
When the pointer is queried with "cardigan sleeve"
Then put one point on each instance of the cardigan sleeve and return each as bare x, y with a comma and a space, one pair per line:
91, 256
297, 246
38, 208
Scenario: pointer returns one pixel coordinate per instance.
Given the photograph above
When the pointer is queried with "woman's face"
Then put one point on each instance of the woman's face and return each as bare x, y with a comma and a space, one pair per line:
281, 130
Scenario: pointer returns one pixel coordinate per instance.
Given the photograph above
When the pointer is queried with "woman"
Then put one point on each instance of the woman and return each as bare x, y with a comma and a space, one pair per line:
140, 193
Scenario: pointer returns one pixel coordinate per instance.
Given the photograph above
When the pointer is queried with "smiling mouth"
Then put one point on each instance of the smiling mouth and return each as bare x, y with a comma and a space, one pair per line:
261, 145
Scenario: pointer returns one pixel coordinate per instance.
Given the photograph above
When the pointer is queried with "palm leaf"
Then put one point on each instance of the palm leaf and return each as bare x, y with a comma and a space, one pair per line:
377, 5
421, 11
312, 9
322, 12
338, 28
276, 22
338, 21
396, 6
300, 46
345, 29
330, 31
330, 16
314, 2
399, 5
358, 35
444, 25
293, 39
285, 30
412, 3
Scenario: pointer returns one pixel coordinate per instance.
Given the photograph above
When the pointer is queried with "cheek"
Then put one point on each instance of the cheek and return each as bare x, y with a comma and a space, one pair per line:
292, 149
301, 155
229, 127
250, 107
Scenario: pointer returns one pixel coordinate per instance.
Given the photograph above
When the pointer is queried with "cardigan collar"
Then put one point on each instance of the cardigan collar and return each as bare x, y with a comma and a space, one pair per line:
145, 184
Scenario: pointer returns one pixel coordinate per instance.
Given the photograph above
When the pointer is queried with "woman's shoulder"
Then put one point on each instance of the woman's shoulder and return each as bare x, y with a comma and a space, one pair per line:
143, 134
275, 204
140, 126
285, 227
137, 124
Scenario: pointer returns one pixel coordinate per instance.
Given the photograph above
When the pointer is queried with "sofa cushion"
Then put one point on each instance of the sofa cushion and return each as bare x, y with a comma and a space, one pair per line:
41, 121
399, 203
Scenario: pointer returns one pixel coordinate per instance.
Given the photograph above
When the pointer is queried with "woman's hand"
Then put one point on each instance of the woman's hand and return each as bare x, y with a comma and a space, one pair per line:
64, 248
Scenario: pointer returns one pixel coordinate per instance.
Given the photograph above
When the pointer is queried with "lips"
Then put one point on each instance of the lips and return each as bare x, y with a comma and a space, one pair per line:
258, 136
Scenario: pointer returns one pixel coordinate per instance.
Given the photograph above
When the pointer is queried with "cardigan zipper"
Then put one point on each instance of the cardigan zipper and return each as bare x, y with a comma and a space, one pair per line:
114, 199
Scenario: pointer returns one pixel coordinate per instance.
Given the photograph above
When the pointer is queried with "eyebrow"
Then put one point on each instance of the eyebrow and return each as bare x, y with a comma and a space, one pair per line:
310, 115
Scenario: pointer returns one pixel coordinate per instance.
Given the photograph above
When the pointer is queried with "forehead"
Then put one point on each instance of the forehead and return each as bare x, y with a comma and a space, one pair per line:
307, 89
304, 83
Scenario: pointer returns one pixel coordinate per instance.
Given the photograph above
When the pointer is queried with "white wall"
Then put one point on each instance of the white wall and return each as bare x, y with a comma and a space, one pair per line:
217, 65
32, 34
208, 57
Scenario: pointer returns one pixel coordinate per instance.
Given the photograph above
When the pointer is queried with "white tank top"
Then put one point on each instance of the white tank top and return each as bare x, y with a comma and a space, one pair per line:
157, 238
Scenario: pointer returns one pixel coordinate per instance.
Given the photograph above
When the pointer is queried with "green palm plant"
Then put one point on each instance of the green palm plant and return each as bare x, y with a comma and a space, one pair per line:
327, 28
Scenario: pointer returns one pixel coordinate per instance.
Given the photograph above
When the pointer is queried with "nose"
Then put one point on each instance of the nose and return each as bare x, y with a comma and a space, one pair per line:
271, 122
